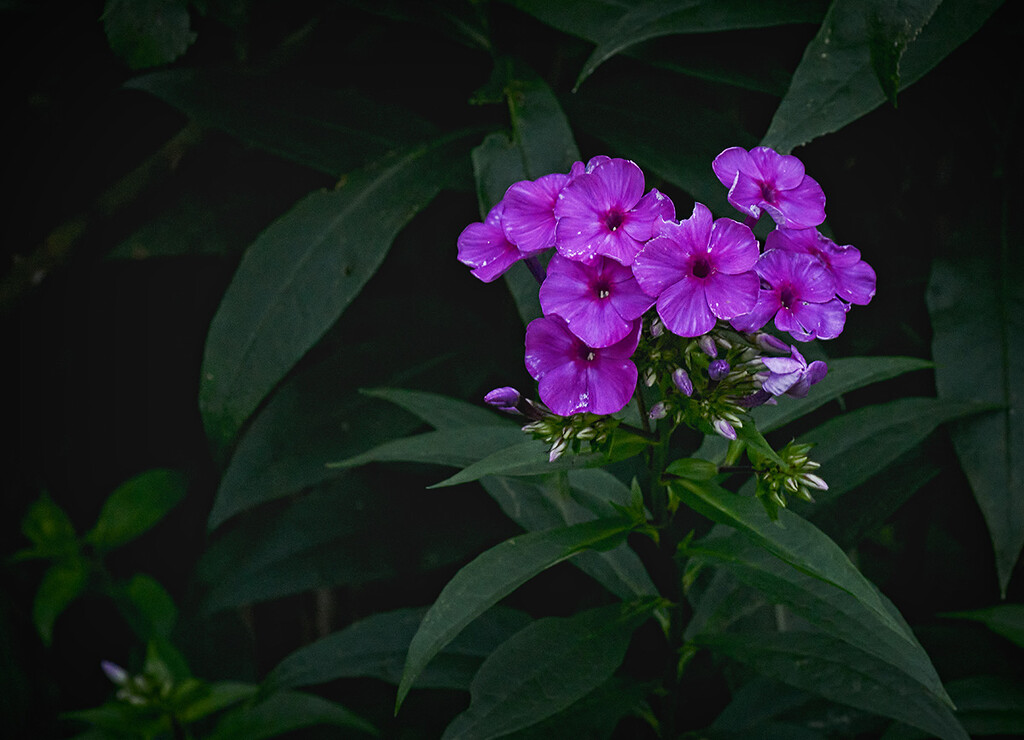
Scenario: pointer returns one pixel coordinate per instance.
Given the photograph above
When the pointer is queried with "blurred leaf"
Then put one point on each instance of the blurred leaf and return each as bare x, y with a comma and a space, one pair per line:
1005, 619
145, 33
891, 27
149, 609
63, 582
976, 308
493, 575
546, 667
760, 703
331, 536
525, 458
312, 418
649, 20
284, 712
376, 647
217, 696
301, 274
441, 412
836, 612
793, 540
136, 506
454, 19
331, 131
49, 528
835, 83
840, 672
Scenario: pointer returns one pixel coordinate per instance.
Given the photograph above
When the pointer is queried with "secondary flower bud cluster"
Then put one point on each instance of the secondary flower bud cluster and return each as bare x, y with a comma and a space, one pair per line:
618, 254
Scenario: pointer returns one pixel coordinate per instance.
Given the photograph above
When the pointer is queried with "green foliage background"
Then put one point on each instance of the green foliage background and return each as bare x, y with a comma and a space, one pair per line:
226, 219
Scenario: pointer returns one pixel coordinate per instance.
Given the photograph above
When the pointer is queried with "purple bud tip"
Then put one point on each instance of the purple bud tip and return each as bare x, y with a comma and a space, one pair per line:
115, 673
505, 399
725, 429
658, 411
708, 346
772, 344
718, 369
682, 381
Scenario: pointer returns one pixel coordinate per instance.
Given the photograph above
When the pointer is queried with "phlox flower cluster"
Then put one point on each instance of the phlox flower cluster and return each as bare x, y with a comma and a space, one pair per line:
631, 292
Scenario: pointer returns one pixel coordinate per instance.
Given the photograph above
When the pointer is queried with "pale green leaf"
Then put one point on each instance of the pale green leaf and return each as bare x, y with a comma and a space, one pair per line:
136, 506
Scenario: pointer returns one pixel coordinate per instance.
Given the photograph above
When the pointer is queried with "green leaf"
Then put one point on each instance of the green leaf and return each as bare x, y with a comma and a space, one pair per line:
49, 528
217, 696
836, 612
136, 506
692, 468
495, 574
656, 18
331, 131
547, 667
835, 83
540, 129
830, 668
145, 33
301, 274
986, 705
976, 309
455, 447
594, 716
376, 647
63, 582
891, 27
150, 609
284, 712
525, 458
441, 412
1005, 619
793, 540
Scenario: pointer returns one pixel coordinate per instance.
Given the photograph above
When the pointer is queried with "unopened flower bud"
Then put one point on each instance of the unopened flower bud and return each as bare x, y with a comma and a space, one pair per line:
718, 369
115, 673
771, 344
708, 346
657, 328
724, 429
658, 411
557, 449
504, 399
814, 481
650, 377
682, 381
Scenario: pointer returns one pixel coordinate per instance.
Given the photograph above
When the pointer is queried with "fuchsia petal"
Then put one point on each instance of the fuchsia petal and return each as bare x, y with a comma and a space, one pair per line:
733, 246
661, 263
856, 283
802, 206
529, 216
729, 296
731, 162
483, 247
684, 309
652, 208
762, 312
783, 171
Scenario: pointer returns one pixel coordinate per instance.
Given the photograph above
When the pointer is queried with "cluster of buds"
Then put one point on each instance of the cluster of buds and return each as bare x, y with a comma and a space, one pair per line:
150, 688
794, 477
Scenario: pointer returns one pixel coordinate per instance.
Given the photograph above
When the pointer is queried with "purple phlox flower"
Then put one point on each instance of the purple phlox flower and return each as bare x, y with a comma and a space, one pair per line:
764, 180
484, 247
599, 300
792, 375
529, 215
800, 293
700, 271
718, 369
574, 377
855, 278
604, 212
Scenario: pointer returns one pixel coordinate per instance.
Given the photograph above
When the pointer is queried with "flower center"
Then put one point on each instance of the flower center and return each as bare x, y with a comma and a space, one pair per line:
701, 268
613, 220
768, 193
602, 290
786, 296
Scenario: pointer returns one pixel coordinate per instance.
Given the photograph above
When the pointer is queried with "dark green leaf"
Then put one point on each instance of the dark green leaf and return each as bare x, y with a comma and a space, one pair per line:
650, 20
331, 131
377, 646
793, 540
844, 674
596, 715
217, 696
495, 574
441, 412
546, 667
835, 83
540, 129
145, 33
455, 447
302, 273
525, 458
284, 712
834, 611
455, 19
136, 506
1004, 619
63, 582
891, 27
976, 309
152, 610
